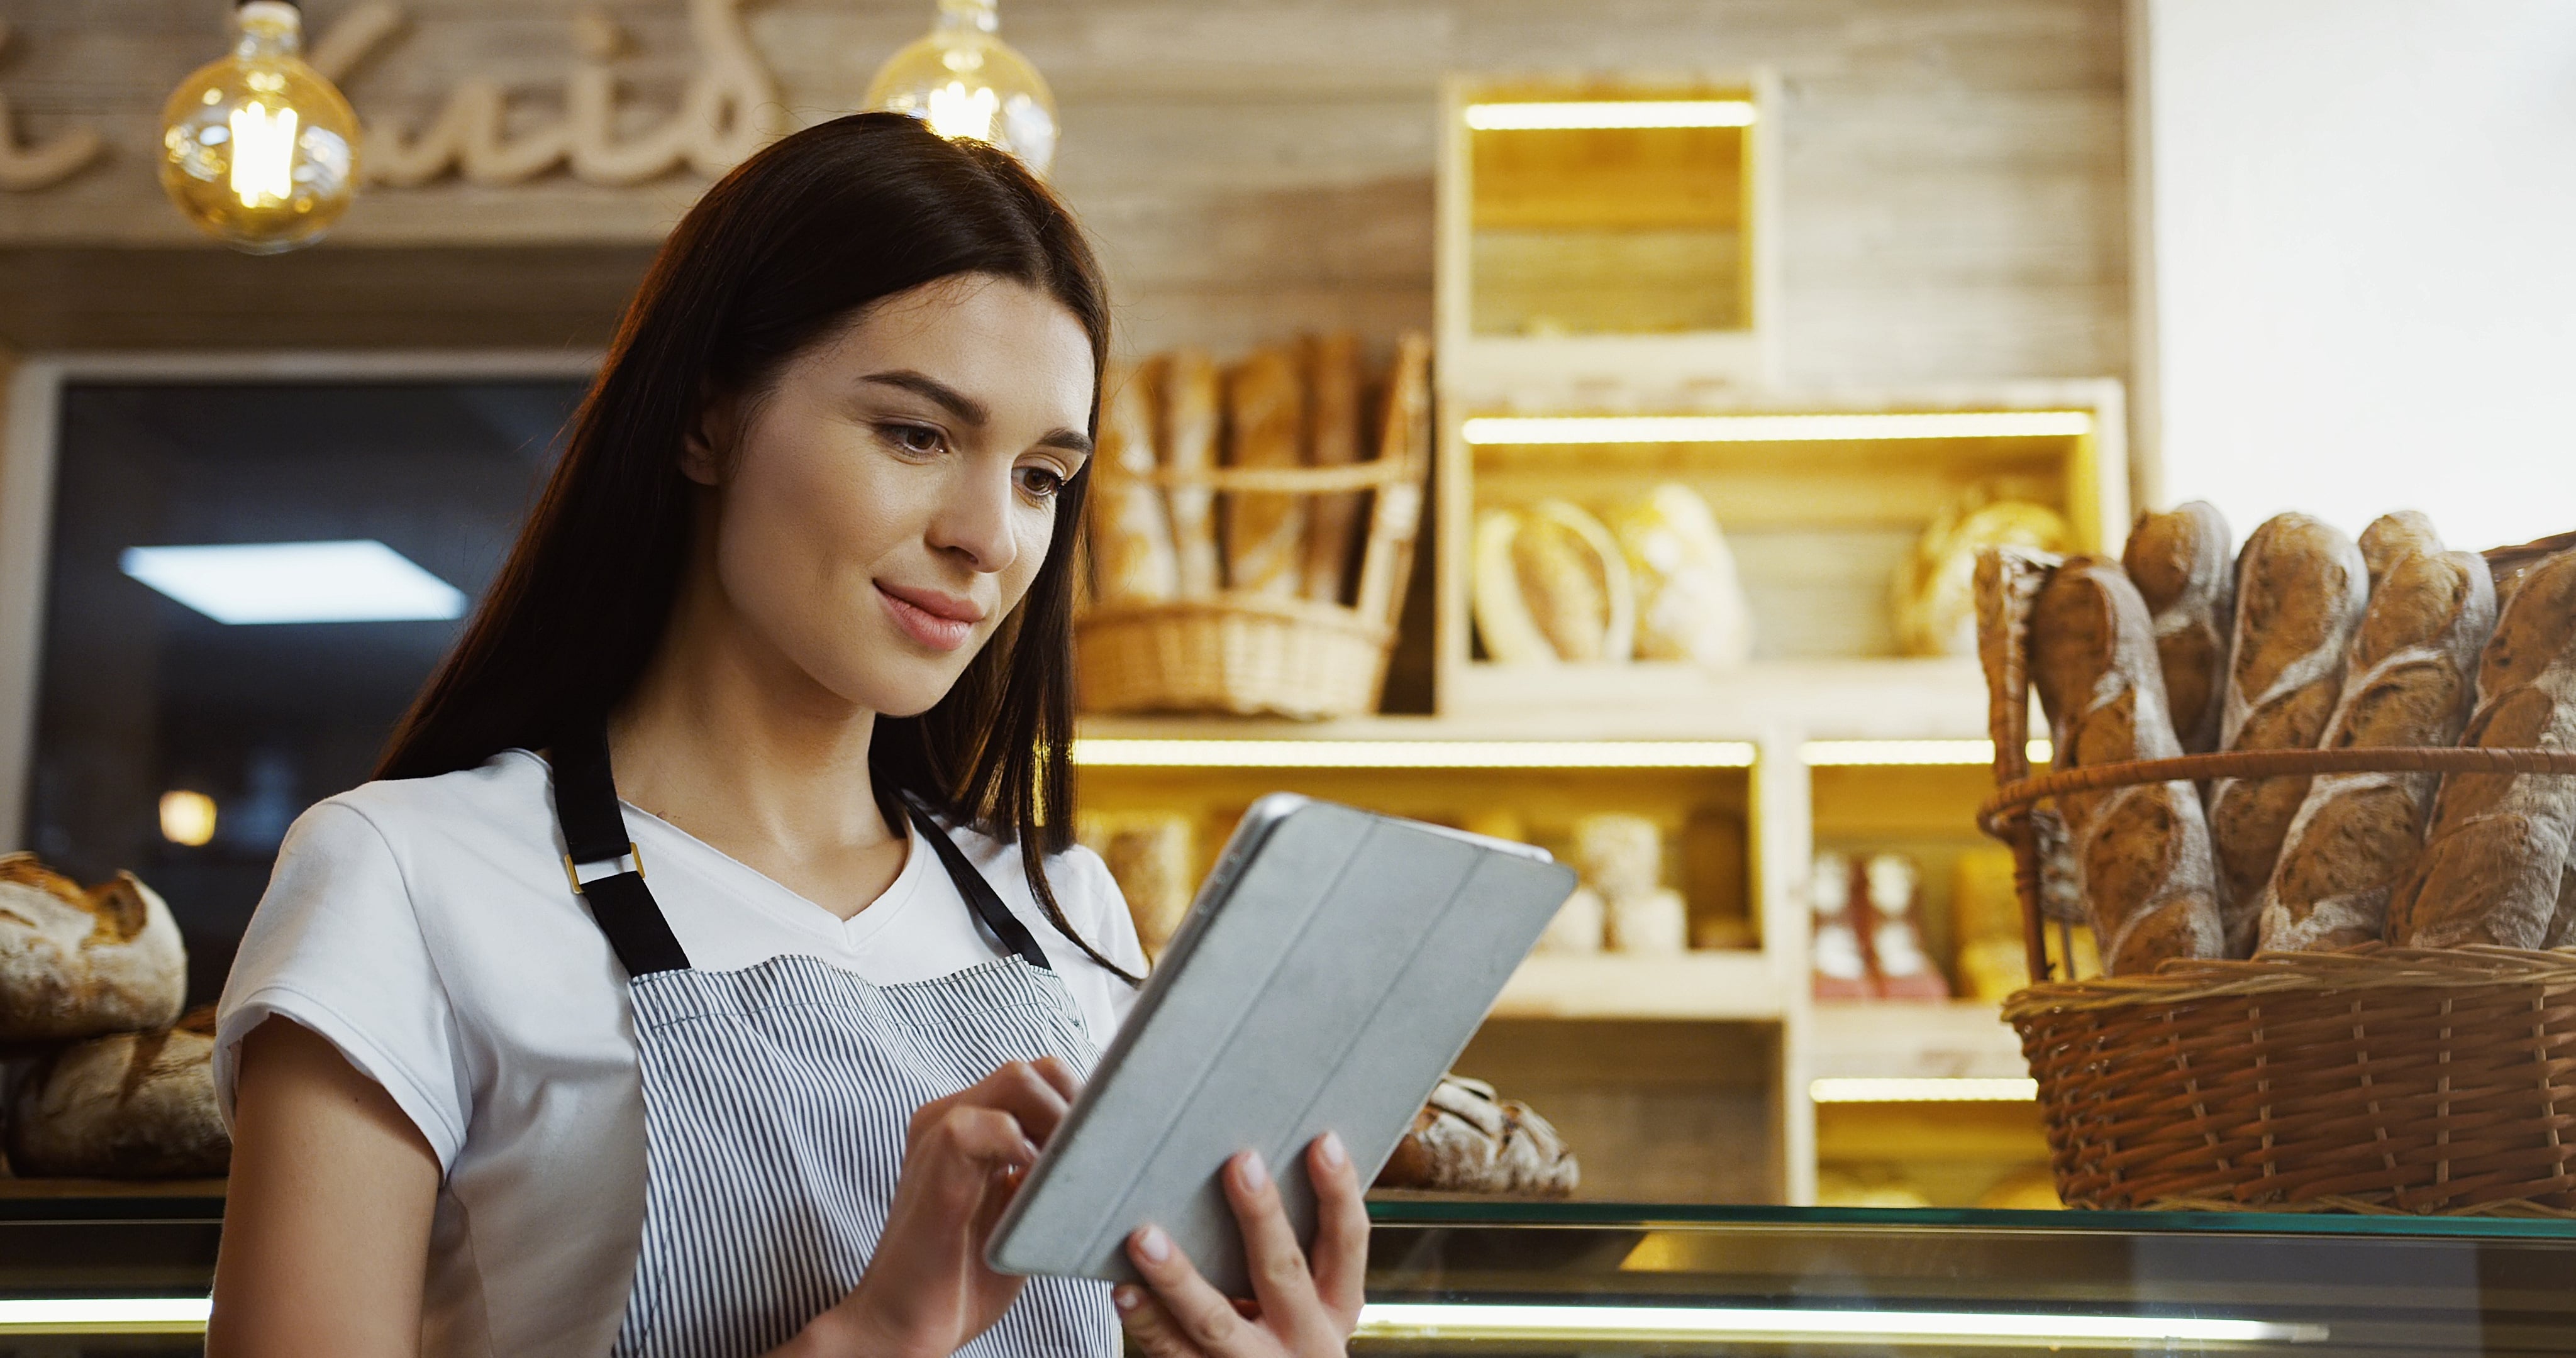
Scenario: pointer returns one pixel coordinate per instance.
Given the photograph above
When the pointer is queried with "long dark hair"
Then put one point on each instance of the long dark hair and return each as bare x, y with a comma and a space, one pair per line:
790, 244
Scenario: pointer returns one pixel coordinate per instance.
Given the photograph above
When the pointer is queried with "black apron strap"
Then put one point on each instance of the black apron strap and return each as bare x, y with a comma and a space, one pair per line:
978, 892
594, 831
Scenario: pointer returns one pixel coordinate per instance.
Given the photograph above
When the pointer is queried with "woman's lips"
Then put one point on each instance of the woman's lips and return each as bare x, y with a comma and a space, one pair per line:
936, 622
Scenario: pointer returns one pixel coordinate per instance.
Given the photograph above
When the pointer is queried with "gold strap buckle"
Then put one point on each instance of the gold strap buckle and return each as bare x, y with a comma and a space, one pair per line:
573, 876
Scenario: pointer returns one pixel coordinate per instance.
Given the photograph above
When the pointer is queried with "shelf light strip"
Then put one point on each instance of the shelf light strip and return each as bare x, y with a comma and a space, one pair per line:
1596, 429
104, 1315
1469, 1321
1843, 753
1119, 752
1585, 115
1923, 1089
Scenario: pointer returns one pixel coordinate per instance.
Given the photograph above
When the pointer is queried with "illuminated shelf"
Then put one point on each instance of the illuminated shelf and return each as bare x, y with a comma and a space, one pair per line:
1861, 699
1700, 985
1911, 1040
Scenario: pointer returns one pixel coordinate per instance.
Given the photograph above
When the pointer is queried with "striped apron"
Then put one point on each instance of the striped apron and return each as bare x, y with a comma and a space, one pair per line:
777, 1100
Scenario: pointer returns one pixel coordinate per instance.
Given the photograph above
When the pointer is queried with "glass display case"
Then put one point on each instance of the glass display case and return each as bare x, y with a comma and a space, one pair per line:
128, 1275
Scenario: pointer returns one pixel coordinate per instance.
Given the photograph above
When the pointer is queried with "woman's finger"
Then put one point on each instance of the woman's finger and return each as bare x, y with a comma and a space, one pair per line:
1341, 1230
1154, 1332
1204, 1316
1280, 1279
1060, 1074
1025, 1092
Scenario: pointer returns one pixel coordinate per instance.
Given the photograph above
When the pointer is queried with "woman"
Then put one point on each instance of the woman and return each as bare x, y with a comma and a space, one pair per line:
789, 630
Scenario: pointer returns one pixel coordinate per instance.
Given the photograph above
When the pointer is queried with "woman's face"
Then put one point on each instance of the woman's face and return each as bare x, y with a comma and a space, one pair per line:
883, 505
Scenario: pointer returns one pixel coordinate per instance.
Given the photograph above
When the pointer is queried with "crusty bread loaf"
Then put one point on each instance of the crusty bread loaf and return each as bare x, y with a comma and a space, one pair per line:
1131, 533
2392, 537
2300, 589
1333, 412
2411, 681
126, 1106
2495, 861
1465, 1140
77, 962
1192, 415
2179, 561
1265, 416
2143, 851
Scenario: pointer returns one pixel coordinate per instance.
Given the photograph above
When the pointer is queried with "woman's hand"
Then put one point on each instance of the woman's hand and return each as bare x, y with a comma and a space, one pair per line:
927, 1291
1296, 1312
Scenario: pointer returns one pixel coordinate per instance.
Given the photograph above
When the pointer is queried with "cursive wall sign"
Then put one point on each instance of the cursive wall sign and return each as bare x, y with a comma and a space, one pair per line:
25, 169
729, 109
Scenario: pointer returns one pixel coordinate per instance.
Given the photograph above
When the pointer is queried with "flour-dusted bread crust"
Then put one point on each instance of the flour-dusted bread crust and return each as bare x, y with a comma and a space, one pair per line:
2391, 538
2300, 589
1465, 1140
1193, 414
2181, 565
2143, 852
2411, 681
2495, 861
1132, 558
126, 1106
77, 962
1265, 417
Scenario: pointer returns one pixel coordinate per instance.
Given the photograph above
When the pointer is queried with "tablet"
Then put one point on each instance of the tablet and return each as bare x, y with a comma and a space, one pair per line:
1331, 968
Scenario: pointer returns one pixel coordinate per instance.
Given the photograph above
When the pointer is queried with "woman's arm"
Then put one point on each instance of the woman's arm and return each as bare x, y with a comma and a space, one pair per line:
326, 1224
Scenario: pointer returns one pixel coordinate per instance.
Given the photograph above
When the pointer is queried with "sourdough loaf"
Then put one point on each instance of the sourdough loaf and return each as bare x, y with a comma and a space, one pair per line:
1465, 1140
2494, 863
2179, 562
77, 962
2300, 589
2411, 681
1192, 415
1131, 536
1265, 413
2143, 852
125, 1106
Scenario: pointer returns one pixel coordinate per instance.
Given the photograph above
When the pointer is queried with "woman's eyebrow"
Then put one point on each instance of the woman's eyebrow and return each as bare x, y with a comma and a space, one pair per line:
1070, 440
966, 408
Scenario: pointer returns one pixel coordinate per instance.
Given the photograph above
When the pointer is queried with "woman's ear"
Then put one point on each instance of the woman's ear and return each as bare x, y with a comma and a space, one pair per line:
710, 439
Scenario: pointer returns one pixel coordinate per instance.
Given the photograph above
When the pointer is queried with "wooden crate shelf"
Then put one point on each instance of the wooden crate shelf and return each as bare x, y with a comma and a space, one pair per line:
1743, 985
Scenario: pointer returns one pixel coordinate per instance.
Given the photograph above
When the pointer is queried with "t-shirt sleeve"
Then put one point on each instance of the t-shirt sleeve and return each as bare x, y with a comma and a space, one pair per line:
335, 946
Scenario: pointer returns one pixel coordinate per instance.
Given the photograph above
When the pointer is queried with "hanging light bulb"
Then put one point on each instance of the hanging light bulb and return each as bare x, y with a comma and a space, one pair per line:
258, 149
966, 82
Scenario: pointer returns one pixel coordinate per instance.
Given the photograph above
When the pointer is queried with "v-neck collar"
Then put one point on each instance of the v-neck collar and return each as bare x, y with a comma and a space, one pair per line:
743, 882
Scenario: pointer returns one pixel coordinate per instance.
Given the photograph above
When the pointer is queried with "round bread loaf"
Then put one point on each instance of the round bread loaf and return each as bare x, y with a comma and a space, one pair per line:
127, 1106
77, 962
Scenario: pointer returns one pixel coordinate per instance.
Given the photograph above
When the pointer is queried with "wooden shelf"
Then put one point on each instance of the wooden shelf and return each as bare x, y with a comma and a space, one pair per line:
1896, 1039
1701, 985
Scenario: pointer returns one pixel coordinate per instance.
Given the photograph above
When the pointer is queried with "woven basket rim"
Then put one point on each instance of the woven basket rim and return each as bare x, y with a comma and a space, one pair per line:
2363, 967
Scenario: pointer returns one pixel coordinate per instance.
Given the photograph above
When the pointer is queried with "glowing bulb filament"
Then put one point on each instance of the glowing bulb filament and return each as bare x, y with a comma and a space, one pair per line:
263, 154
956, 111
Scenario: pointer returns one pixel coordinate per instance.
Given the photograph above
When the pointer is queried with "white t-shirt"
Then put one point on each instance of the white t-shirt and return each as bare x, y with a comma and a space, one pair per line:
425, 928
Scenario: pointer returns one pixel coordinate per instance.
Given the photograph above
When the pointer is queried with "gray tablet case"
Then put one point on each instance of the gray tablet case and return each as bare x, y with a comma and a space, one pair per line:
1333, 966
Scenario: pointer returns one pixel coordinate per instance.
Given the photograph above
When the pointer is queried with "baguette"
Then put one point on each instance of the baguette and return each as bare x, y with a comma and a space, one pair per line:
2142, 853
2494, 866
1191, 417
2300, 589
2180, 565
1131, 535
2412, 681
1332, 440
1265, 531
2392, 537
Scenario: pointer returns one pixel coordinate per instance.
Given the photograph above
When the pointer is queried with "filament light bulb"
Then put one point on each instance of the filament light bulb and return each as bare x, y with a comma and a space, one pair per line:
967, 83
258, 149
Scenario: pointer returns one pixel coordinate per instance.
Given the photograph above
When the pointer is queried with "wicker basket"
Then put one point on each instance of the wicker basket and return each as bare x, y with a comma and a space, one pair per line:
2375, 1079
1255, 654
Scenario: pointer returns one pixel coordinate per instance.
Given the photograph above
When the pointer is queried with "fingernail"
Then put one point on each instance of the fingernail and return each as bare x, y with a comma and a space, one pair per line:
1126, 1298
1255, 1175
1331, 1148
1153, 1244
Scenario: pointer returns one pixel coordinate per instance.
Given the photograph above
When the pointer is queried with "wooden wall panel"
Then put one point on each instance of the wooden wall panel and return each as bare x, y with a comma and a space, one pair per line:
1952, 170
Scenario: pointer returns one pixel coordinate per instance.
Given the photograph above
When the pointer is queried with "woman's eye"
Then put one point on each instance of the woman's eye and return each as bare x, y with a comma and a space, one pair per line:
1041, 482
919, 440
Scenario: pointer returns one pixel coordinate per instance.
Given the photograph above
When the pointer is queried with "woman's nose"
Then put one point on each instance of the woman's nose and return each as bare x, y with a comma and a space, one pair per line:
973, 517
